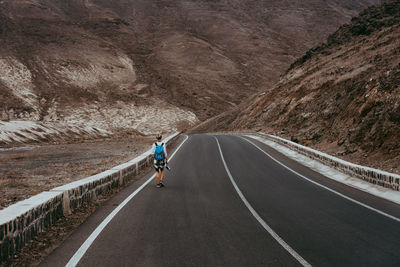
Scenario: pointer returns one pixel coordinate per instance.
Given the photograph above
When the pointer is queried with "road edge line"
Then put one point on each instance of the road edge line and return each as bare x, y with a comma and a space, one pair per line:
325, 187
286, 246
86, 245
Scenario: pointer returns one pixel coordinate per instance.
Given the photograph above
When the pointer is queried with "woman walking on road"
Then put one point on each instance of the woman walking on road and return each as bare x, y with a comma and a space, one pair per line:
160, 159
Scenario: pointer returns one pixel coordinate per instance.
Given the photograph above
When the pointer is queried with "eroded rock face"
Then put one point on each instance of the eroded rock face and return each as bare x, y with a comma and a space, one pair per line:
342, 96
202, 57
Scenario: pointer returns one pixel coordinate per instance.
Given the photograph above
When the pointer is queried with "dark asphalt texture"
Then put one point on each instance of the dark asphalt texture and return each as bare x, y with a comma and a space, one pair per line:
198, 219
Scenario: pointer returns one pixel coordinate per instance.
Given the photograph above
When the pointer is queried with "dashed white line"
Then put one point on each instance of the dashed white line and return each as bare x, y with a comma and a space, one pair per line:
257, 216
85, 246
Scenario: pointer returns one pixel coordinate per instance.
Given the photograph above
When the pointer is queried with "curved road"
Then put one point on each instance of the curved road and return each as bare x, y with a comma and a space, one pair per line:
228, 203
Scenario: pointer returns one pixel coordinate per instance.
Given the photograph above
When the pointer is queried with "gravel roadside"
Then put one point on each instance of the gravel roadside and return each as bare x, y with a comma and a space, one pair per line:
29, 170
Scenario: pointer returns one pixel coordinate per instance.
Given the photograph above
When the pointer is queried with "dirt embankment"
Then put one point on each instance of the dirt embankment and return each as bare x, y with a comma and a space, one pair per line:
342, 97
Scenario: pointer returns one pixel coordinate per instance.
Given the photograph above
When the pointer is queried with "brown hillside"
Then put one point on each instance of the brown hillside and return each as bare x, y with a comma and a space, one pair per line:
342, 97
96, 61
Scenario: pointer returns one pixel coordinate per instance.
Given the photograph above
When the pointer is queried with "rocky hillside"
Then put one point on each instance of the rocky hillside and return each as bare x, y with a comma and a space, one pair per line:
342, 97
112, 65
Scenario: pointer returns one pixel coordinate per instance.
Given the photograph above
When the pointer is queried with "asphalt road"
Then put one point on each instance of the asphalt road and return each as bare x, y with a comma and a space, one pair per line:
200, 218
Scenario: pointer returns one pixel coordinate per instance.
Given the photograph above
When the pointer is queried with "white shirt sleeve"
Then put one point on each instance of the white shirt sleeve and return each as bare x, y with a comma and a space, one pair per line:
153, 149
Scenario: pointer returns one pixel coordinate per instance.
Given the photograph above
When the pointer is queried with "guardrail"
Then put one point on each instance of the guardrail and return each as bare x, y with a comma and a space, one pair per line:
22, 221
374, 176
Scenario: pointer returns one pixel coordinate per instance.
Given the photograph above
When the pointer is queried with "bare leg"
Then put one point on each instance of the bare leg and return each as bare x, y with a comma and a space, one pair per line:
161, 175
158, 177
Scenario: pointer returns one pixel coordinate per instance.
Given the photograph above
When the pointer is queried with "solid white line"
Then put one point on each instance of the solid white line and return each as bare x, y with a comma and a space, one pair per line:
85, 246
258, 218
325, 187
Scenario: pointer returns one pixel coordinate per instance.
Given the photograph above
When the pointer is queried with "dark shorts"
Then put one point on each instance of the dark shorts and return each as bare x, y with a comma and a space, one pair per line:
159, 165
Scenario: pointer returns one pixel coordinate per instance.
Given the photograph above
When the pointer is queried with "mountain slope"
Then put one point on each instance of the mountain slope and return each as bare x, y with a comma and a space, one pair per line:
119, 64
342, 96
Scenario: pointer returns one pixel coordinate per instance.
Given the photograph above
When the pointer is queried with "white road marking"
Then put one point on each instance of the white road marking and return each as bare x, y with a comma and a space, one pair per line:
257, 216
333, 173
85, 246
325, 187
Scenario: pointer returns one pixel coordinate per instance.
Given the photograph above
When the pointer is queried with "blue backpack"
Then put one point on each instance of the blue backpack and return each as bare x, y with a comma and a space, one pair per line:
159, 154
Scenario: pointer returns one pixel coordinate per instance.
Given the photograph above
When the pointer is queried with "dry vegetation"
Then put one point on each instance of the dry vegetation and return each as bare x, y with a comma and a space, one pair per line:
342, 97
